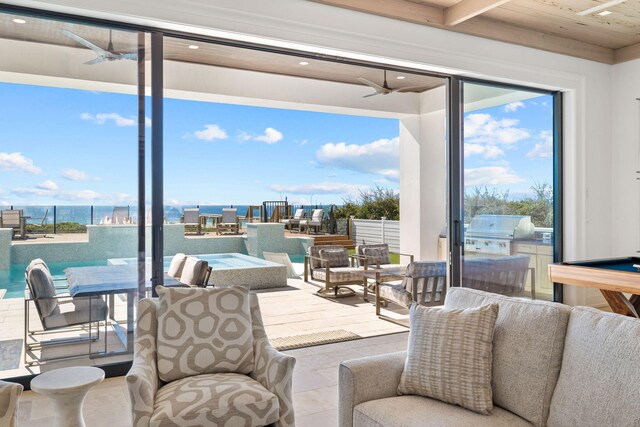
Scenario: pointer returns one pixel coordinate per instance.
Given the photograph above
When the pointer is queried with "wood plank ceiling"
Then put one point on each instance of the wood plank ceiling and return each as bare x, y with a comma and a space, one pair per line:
550, 25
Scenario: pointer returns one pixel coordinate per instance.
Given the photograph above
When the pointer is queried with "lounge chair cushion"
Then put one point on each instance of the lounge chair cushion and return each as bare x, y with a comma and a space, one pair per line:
523, 380
43, 289
377, 255
334, 258
449, 356
215, 400
339, 274
194, 271
416, 411
177, 264
76, 312
204, 331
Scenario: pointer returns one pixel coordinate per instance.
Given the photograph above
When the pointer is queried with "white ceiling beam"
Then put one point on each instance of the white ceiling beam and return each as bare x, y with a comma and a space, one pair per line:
467, 9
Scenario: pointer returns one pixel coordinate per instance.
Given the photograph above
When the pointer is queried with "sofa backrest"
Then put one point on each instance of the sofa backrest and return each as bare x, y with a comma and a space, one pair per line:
528, 342
597, 384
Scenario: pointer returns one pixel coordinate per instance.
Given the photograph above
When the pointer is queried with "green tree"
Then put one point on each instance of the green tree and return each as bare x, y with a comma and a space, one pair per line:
374, 203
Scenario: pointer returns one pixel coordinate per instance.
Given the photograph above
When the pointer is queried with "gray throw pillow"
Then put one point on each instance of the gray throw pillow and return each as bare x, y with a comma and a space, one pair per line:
192, 272
204, 331
449, 356
177, 265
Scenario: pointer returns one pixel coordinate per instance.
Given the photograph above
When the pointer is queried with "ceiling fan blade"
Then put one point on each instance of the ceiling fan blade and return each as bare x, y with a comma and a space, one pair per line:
85, 43
371, 94
132, 56
97, 60
377, 87
412, 89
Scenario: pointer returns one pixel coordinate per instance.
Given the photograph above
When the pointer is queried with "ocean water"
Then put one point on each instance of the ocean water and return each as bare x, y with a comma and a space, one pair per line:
86, 214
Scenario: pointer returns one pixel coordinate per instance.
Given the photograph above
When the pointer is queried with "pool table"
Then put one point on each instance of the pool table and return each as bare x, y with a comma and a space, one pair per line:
613, 277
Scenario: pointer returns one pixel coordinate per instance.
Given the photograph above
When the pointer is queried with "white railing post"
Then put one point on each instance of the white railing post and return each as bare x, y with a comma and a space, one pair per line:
382, 225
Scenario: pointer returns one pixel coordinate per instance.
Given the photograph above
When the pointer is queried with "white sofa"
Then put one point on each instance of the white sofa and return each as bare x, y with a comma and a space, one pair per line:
553, 365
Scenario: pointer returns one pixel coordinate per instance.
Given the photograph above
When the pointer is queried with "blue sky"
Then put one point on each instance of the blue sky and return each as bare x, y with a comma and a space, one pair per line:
66, 146
509, 147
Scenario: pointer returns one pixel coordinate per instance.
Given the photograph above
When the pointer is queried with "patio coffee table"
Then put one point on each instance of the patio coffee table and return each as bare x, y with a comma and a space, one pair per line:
67, 387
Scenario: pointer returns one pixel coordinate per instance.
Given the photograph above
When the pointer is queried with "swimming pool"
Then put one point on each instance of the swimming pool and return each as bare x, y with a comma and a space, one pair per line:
231, 269
13, 279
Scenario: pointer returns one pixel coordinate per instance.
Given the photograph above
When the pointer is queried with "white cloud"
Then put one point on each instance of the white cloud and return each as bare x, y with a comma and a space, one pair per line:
172, 202
47, 185
544, 149
77, 175
32, 192
380, 157
484, 128
491, 175
487, 151
102, 118
513, 106
210, 133
319, 188
80, 195
270, 136
301, 143
17, 161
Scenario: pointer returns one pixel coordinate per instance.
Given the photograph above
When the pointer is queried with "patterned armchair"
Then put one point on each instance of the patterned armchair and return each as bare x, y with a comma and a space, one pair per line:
425, 283
332, 265
377, 255
9, 394
262, 397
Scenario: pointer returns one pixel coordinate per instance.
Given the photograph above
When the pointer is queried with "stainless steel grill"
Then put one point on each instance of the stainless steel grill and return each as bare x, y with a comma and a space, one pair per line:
494, 234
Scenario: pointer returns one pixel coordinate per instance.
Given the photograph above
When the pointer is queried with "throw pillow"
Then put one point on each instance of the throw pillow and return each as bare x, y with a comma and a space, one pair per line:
449, 356
204, 331
334, 257
376, 256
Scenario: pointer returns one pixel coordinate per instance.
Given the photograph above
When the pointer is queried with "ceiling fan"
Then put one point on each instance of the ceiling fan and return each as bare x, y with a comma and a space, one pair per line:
385, 89
103, 55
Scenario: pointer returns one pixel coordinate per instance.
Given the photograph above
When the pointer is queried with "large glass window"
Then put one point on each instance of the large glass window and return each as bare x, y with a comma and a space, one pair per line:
509, 197
70, 132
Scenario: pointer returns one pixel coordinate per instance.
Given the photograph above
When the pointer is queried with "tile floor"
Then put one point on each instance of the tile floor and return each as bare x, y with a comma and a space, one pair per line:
315, 387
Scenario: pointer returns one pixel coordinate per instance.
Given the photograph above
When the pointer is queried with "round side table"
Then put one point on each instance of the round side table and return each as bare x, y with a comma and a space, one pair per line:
67, 387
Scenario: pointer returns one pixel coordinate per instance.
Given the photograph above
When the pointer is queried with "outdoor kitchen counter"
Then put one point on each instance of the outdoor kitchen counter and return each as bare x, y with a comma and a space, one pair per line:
541, 255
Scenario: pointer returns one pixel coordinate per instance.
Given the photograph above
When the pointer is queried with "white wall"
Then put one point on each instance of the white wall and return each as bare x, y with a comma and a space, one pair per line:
625, 144
316, 27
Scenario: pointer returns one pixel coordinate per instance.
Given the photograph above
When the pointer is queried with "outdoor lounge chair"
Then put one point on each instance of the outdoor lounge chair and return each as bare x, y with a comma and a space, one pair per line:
13, 218
187, 271
315, 221
229, 221
120, 215
505, 275
424, 283
332, 265
191, 220
297, 217
59, 313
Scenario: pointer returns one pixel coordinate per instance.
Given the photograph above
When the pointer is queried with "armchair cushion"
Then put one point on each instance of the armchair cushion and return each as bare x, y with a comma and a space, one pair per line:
177, 264
76, 312
204, 331
194, 271
377, 255
334, 257
449, 356
43, 289
224, 399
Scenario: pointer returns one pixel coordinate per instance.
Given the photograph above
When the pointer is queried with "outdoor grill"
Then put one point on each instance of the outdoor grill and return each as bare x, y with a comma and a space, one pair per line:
494, 234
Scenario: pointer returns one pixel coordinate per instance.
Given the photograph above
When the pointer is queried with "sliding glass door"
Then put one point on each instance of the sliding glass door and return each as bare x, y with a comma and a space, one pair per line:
507, 226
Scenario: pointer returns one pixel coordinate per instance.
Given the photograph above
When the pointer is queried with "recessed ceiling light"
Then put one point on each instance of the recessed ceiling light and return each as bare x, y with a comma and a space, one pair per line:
193, 46
303, 63
19, 21
600, 7
401, 77
605, 13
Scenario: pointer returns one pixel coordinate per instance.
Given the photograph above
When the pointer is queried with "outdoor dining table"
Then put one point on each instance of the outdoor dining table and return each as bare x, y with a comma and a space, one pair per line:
108, 280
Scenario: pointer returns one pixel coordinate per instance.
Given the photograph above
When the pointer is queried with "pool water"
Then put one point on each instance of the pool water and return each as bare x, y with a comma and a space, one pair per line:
13, 280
